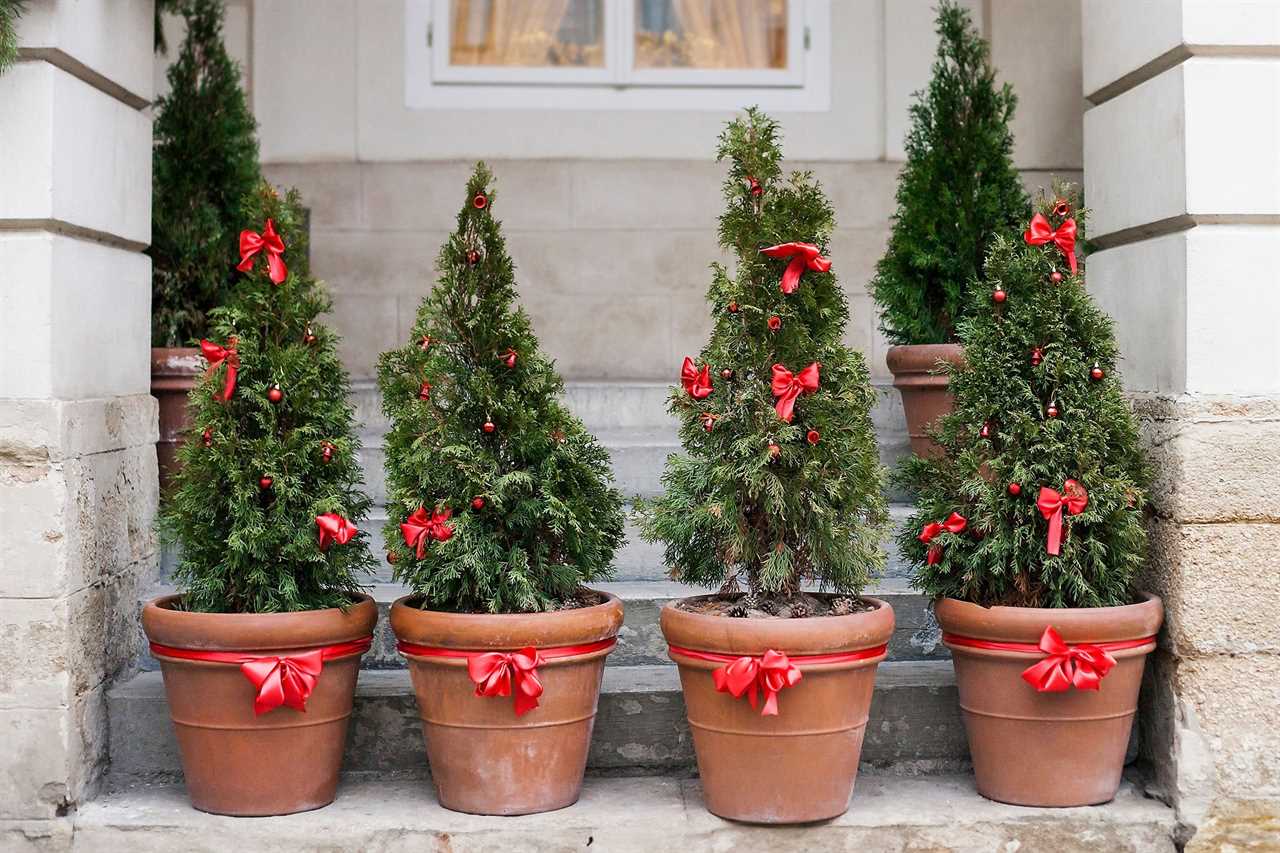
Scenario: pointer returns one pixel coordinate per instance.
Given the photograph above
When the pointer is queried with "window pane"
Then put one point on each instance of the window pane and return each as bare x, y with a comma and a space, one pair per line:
723, 34
527, 33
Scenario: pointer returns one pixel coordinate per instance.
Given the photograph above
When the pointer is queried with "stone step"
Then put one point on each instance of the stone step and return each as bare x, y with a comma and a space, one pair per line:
630, 815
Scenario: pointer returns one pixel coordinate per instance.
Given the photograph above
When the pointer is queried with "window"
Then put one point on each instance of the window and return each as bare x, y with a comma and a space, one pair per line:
602, 54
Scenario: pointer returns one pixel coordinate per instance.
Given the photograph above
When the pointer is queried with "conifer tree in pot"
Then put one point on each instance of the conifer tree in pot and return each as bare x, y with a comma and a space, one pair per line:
261, 648
958, 189
780, 489
1030, 529
500, 510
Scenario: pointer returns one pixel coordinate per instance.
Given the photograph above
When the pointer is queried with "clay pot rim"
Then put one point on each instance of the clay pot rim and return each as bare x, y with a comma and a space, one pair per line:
506, 631
1075, 624
255, 632
176, 361
809, 636
922, 358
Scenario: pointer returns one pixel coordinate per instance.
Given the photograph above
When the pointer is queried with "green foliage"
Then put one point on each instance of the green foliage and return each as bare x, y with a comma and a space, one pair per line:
731, 513
1002, 557
204, 161
957, 190
10, 12
551, 520
246, 549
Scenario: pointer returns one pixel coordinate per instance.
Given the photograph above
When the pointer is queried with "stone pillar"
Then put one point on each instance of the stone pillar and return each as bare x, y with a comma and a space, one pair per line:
1182, 164
77, 424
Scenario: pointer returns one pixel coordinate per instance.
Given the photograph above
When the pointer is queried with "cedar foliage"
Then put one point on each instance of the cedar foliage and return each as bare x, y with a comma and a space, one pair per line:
732, 515
204, 161
1001, 558
958, 189
10, 11
246, 549
550, 520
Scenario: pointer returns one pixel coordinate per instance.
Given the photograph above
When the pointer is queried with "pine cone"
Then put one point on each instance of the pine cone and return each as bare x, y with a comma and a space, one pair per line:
750, 601
769, 605
844, 605
737, 611
800, 609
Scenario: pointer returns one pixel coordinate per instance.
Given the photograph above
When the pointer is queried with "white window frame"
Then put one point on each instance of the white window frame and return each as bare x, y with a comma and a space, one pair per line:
432, 83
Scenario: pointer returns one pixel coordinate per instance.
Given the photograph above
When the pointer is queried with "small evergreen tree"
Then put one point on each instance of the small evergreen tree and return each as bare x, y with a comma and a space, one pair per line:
498, 499
265, 502
10, 12
204, 161
958, 189
782, 482
1041, 439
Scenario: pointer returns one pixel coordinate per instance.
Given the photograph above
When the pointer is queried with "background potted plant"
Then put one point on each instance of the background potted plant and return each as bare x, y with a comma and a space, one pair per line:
260, 650
958, 189
204, 162
501, 509
1030, 527
781, 488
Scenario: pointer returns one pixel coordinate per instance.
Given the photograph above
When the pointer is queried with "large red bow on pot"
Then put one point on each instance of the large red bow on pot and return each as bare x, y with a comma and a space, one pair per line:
420, 528
1039, 233
216, 355
955, 523
499, 673
1082, 666
698, 384
251, 242
787, 386
803, 256
332, 527
283, 680
767, 674
1073, 499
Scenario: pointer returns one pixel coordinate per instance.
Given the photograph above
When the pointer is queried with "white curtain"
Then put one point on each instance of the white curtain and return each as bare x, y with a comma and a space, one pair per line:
506, 32
728, 33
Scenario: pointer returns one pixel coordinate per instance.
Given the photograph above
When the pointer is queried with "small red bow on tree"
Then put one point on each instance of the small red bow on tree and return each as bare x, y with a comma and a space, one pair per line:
787, 386
332, 527
251, 242
216, 355
1082, 666
802, 255
767, 674
509, 357
1073, 499
698, 384
955, 523
420, 528
499, 673
283, 680
1040, 232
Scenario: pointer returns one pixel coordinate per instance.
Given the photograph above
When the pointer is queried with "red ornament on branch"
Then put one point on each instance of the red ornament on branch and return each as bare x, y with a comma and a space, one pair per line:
480, 202
775, 323
787, 386
309, 337
1096, 374
774, 450
726, 374
985, 432
331, 528
709, 421
207, 437
813, 436
424, 390
803, 256
1015, 489
1051, 503
753, 186
696, 383
425, 343
421, 527
216, 356
1052, 411
955, 523
509, 357
477, 504
326, 451
999, 296
733, 307
1037, 356
275, 394
1061, 208
1055, 277
473, 257
251, 243
489, 427
265, 483
1040, 232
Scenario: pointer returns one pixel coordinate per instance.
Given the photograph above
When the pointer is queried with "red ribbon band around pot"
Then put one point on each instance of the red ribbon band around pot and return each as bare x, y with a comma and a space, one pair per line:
767, 674
803, 256
1040, 232
507, 673
278, 679
1065, 665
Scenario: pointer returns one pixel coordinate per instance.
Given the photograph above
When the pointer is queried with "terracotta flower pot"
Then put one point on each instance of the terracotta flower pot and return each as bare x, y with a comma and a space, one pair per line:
239, 762
174, 372
799, 765
1034, 748
484, 757
925, 396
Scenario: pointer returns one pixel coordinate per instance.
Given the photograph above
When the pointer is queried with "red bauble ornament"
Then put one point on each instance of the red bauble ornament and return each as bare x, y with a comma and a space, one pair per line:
489, 426
326, 452
774, 450
726, 374
424, 391
480, 201
1015, 489
207, 437
999, 296
754, 186
1052, 411
1037, 356
265, 483
477, 503
1060, 207
1055, 277
985, 432
274, 394
391, 557
473, 257
509, 357
309, 337
733, 308
775, 323
813, 436
425, 343
708, 422
1097, 373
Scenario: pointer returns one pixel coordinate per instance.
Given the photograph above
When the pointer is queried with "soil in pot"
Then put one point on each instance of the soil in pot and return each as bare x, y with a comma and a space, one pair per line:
799, 764
240, 762
1047, 748
494, 754
923, 385
174, 372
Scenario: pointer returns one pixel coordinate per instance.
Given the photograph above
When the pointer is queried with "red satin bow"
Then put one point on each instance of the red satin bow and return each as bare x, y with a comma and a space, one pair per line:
767, 674
251, 242
332, 527
1073, 499
499, 673
803, 256
788, 386
419, 528
697, 384
1082, 666
1039, 233
955, 523
283, 680
216, 355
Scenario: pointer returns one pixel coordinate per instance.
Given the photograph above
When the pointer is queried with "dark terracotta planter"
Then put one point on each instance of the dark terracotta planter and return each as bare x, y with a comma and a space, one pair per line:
484, 758
925, 396
237, 762
1047, 749
800, 765
174, 372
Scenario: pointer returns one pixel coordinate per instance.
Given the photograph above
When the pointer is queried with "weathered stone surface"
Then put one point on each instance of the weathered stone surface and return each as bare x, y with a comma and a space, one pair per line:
1238, 824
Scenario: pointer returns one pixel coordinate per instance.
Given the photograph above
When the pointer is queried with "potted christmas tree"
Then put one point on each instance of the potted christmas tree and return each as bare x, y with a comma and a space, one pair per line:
958, 189
1030, 527
260, 650
500, 511
781, 488
205, 160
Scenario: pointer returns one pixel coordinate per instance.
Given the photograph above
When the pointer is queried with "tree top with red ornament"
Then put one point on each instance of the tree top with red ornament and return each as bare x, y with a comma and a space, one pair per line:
1037, 497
